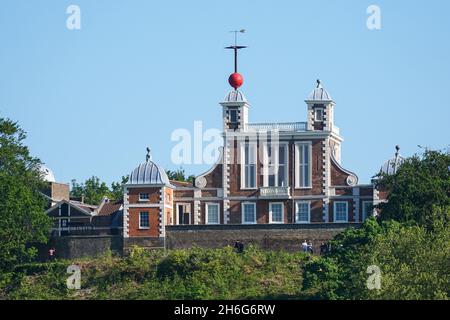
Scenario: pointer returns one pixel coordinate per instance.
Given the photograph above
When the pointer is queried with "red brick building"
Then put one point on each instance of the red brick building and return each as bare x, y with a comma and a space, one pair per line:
268, 173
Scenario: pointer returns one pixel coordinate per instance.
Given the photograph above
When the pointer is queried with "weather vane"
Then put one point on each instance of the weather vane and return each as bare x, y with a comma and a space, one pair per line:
236, 80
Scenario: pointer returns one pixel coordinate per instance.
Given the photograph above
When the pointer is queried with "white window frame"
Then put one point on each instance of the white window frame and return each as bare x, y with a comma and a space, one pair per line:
321, 114
271, 212
364, 211
206, 212
144, 199
243, 213
276, 160
177, 218
298, 145
335, 212
251, 144
309, 211
148, 218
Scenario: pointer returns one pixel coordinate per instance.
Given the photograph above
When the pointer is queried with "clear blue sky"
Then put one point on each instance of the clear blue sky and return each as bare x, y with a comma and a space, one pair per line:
91, 100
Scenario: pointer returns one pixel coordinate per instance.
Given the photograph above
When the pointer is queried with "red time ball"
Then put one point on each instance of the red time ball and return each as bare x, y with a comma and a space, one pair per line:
235, 80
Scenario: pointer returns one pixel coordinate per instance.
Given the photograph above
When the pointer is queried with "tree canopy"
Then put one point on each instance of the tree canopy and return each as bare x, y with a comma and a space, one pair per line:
179, 175
418, 190
93, 190
23, 221
410, 244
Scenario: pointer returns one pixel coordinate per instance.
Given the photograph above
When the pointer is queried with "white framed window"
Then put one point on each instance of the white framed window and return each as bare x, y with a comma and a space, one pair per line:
318, 114
276, 212
143, 196
302, 212
367, 210
248, 165
233, 115
144, 221
340, 211
276, 165
212, 213
248, 212
303, 172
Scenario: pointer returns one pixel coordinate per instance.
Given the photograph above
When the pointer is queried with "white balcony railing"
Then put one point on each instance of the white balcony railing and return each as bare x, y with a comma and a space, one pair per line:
274, 192
286, 126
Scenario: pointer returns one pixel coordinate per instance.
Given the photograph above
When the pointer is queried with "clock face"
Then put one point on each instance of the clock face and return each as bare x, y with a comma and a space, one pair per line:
352, 180
200, 182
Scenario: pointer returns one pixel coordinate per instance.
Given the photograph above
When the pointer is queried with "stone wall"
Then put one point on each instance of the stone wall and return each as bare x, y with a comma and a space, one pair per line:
72, 247
267, 236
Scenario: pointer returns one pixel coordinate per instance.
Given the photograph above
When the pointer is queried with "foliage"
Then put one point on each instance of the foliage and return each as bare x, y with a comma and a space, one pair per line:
182, 274
413, 262
93, 190
419, 189
22, 218
179, 175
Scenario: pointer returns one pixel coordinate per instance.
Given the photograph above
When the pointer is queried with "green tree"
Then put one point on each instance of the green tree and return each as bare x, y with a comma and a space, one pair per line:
117, 188
419, 189
179, 175
93, 190
23, 222
412, 259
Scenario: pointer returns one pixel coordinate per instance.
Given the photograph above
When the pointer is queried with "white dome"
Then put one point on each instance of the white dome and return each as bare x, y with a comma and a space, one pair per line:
391, 166
47, 174
319, 94
235, 96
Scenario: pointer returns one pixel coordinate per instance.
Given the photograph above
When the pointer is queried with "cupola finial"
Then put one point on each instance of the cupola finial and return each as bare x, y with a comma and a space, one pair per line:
318, 83
148, 157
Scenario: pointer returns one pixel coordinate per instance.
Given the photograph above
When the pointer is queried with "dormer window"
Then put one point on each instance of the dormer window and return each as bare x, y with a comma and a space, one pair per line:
143, 196
233, 116
318, 115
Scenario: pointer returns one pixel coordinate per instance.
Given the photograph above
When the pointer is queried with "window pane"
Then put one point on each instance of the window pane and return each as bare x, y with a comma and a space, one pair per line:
249, 213
143, 220
277, 212
233, 115
302, 212
341, 211
213, 213
304, 165
271, 180
281, 155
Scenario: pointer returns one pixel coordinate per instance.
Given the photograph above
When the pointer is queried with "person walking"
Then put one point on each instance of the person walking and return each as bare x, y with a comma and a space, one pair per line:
323, 248
239, 246
304, 246
310, 247
51, 253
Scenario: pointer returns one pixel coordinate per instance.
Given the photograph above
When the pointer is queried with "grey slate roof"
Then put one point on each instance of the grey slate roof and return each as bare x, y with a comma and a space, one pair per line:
149, 173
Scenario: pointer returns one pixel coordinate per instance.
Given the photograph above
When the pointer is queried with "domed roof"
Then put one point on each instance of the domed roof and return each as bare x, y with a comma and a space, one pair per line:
391, 166
47, 174
149, 173
319, 94
235, 96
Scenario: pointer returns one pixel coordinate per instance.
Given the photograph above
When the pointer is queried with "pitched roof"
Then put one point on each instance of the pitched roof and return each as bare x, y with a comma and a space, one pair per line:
110, 207
181, 183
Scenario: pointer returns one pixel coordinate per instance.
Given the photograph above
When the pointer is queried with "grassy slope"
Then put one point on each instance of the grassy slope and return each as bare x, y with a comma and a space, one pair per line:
183, 274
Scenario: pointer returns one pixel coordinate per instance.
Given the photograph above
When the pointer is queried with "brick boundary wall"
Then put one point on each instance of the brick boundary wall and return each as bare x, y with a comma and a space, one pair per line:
267, 236
73, 247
